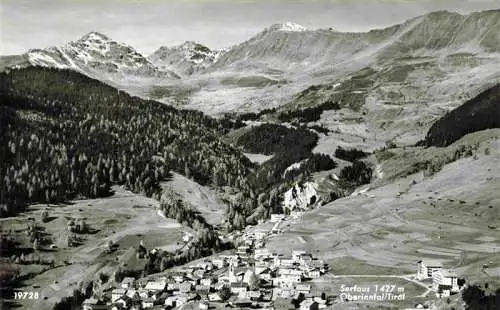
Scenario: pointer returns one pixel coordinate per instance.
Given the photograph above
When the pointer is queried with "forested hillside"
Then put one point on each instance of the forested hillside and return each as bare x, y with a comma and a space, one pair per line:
65, 135
289, 145
479, 113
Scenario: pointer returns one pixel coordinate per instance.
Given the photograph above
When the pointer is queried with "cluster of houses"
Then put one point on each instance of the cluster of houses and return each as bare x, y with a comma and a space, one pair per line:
444, 281
251, 276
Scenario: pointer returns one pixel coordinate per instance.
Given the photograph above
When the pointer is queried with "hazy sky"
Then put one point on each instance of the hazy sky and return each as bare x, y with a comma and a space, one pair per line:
149, 24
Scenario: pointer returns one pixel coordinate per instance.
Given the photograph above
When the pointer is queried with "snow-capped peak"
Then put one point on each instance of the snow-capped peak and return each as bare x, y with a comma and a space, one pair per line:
94, 36
291, 26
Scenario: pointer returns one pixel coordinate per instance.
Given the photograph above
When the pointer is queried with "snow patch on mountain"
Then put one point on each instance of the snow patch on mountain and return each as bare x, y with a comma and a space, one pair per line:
186, 59
291, 26
100, 57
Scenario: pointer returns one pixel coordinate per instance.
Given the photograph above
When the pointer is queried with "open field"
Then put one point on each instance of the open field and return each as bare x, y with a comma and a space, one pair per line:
204, 199
124, 218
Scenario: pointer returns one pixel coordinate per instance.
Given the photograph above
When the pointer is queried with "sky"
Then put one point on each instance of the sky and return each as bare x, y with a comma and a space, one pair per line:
148, 24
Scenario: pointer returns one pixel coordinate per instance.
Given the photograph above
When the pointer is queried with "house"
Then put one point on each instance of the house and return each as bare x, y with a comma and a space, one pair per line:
202, 291
296, 214
254, 295
303, 288
143, 293
185, 287
147, 303
117, 294
259, 253
178, 276
159, 285
305, 258
297, 253
443, 291
313, 274
316, 264
309, 305
445, 277
425, 268
285, 292
206, 281
287, 263
290, 271
214, 297
288, 280
219, 262
132, 293
277, 217
238, 287
173, 286
241, 250
123, 303
128, 282
93, 304
203, 305
199, 273
265, 274
170, 301
205, 265
267, 295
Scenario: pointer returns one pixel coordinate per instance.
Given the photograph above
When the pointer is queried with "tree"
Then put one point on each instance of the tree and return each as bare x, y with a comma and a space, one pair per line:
103, 277
225, 293
69, 241
45, 216
253, 282
110, 245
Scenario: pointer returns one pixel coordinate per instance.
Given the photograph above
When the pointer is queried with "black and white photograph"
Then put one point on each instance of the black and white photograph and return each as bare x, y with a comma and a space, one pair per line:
249, 154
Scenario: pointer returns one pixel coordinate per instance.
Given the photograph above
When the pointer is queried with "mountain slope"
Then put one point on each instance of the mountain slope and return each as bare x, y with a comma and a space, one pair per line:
429, 34
184, 59
437, 59
479, 113
97, 56
71, 136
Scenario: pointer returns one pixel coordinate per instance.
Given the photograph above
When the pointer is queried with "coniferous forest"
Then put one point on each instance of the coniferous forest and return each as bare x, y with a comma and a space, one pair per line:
66, 135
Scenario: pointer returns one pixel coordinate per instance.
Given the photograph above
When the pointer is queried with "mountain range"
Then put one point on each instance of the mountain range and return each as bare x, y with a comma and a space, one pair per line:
417, 70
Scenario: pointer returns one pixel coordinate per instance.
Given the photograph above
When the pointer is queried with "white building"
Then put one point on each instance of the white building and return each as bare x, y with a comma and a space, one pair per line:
261, 253
238, 288
147, 303
219, 262
313, 274
289, 280
214, 297
158, 285
445, 278
277, 217
426, 268
297, 253
128, 282
308, 304
117, 294
303, 288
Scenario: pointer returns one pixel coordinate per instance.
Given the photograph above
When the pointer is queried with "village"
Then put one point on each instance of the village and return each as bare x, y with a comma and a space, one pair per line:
249, 277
